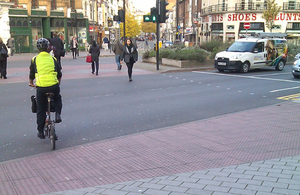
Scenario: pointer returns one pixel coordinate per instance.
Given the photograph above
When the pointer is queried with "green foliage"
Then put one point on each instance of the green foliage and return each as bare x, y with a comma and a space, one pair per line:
214, 47
270, 13
179, 53
209, 46
293, 50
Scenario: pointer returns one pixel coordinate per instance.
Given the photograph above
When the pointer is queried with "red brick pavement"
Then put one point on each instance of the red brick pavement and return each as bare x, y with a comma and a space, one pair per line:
259, 134
18, 75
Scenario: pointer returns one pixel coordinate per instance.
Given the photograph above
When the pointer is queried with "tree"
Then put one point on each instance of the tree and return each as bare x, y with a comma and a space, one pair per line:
148, 27
270, 13
132, 27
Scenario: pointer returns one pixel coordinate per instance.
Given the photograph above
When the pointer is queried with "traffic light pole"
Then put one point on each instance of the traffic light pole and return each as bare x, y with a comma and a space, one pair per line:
157, 35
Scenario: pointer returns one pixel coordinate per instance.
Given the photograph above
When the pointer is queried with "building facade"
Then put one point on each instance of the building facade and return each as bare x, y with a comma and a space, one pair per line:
30, 20
224, 20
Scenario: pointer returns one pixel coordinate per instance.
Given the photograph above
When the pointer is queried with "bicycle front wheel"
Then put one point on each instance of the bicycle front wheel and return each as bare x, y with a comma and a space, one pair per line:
52, 136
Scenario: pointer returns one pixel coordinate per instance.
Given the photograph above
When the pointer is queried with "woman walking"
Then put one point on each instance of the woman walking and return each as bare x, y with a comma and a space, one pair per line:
3, 60
130, 56
73, 47
95, 53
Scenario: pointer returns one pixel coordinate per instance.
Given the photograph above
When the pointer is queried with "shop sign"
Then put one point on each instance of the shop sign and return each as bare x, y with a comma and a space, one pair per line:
253, 17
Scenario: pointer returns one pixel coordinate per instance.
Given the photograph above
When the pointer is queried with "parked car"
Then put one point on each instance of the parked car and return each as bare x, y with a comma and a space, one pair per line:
168, 44
296, 66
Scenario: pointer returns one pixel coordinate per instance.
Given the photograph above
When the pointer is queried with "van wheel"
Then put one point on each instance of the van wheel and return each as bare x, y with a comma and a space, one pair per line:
280, 65
245, 67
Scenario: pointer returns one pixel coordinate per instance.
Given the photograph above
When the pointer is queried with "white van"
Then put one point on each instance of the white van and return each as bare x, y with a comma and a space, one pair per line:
251, 53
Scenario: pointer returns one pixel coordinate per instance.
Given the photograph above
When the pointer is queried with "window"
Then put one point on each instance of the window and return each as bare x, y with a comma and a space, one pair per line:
34, 4
53, 4
72, 4
291, 5
259, 47
230, 27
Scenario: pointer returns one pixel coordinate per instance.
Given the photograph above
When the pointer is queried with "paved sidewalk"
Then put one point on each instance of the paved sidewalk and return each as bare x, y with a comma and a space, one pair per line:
259, 154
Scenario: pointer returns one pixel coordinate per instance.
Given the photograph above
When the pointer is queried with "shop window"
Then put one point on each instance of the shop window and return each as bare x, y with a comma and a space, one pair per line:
61, 24
39, 23
25, 23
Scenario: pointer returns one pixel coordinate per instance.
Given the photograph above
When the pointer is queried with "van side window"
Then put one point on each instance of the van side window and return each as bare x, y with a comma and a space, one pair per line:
259, 46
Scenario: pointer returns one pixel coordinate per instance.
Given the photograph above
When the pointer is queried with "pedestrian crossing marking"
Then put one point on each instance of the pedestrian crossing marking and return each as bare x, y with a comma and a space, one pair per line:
290, 97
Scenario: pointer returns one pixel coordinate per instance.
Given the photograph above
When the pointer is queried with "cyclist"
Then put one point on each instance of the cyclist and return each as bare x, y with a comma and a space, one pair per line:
45, 70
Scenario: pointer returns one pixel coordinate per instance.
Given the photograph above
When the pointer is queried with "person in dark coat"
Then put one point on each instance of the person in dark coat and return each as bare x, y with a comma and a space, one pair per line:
95, 53
3, 60
74, 47
130, 56
118, 49
59, 47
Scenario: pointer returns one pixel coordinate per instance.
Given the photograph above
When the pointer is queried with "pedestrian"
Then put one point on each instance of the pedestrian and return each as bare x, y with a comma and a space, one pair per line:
3, 59
11, 44
118, 49
105, 43
74, 46
130, 56
87, 45
95, 53
59, 48
45, 70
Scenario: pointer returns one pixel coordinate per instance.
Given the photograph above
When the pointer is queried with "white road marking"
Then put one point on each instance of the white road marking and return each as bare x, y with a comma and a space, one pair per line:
285, 89
255, 77
249, 77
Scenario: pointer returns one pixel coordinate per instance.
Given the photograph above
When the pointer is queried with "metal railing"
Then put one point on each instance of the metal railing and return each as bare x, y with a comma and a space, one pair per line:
219, 8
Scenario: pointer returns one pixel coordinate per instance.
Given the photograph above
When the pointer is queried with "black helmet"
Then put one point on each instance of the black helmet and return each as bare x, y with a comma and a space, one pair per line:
42, 44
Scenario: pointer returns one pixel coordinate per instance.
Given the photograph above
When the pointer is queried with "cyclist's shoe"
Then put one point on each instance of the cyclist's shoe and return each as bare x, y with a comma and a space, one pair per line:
57, 118
41, 135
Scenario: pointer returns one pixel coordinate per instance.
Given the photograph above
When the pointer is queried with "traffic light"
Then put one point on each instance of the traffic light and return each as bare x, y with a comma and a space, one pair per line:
116, 18
152, 17
120, 17
163, 11
121, 14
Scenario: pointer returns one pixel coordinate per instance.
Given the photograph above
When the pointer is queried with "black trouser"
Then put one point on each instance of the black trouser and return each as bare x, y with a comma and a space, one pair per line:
3, 67
74, 53
97, 66
129, 67
42, 104
58, 57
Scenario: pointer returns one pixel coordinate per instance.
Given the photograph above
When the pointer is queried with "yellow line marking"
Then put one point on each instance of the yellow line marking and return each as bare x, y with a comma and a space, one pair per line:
290, 97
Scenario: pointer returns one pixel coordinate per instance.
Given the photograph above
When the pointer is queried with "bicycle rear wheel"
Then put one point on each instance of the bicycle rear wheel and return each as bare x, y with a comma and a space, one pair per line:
52, 136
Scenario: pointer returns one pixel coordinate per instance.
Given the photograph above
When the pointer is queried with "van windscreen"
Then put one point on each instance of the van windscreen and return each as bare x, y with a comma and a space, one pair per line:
241, 47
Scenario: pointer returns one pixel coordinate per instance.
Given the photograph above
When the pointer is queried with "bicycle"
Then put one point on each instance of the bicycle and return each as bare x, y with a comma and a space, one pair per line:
49, 129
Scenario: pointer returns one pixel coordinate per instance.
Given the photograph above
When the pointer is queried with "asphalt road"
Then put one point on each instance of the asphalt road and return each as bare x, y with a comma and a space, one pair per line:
106, 107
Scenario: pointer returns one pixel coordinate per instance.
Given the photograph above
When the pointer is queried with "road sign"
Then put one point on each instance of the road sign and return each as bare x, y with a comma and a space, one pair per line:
247, 25
149, 18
